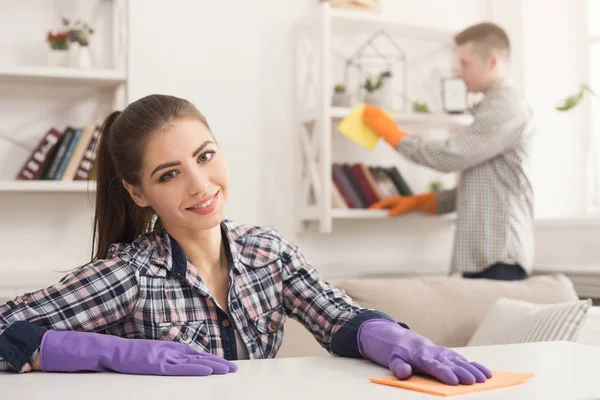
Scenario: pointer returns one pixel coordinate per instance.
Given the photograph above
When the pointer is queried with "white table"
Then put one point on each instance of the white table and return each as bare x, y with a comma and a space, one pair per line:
563, 371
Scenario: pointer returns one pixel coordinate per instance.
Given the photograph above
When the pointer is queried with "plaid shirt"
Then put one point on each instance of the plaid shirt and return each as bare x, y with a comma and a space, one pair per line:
148, 289
494, 199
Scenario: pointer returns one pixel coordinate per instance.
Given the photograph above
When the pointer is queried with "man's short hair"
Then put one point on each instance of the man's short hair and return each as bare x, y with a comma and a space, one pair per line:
487, 37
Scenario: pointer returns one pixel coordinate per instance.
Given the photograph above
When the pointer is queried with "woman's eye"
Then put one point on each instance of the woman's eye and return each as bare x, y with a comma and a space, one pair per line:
167, 176
204, 157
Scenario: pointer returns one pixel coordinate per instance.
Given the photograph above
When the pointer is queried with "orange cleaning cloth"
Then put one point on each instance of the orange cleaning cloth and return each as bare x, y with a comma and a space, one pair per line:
430, 385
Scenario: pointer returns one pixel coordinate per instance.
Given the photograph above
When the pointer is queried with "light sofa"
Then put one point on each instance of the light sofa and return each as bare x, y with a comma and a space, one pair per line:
445, 309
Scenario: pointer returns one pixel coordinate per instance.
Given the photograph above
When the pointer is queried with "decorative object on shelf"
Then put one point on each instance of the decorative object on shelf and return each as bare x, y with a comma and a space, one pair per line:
69, 46
435, 186
380, 66
39, 157
67, 155
58, 52
340, 96
421, 107
375, 90
358, 185
454, 96
80, 33
358, 5
572, 101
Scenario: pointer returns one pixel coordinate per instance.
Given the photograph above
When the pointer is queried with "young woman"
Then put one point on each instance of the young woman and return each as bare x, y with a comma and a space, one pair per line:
176, 289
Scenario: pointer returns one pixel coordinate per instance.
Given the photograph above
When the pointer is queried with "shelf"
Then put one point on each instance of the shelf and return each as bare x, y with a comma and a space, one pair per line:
349, 22
47, 186
358, 213
362, 213
58, 75
353, 22
430, 120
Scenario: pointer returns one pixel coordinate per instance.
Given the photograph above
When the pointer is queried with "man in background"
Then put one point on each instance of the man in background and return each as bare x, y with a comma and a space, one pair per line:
494, 197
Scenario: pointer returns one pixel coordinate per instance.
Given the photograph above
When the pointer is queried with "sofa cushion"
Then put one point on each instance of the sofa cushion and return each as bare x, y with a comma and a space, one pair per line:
512, 321
448, 309
590, 331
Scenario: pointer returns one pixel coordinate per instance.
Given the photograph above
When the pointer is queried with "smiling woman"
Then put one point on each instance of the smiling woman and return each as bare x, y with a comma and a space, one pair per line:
174, 288
152, 157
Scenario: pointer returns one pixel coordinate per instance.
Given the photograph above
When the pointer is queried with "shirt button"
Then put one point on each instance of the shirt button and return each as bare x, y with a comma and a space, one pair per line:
272, 326
225, 323
24, 297
185, 336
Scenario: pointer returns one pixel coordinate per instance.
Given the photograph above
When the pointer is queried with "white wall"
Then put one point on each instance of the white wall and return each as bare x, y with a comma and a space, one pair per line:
553, 70
232, 59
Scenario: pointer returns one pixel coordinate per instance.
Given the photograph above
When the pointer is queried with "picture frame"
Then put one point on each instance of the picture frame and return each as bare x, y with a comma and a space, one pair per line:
454, 95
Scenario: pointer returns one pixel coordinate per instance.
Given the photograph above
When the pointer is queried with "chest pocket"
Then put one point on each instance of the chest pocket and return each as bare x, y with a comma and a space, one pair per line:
269, 331
261, 277
192, 333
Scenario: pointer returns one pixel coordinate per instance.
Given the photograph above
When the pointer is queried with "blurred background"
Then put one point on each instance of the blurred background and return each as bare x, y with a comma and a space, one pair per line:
266, 74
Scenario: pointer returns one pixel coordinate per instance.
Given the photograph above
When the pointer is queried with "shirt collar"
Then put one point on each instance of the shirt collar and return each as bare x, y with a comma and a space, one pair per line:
170, 254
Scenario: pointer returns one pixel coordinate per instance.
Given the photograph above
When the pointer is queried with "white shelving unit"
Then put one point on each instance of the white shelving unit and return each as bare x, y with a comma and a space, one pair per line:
113, 78
47, 186
315, 118
58, 76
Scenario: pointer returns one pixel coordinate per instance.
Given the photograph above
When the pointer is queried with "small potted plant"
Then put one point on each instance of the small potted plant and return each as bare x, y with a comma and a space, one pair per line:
435, 186
340, 97
59, 41
419, 107
374, 86
79, 35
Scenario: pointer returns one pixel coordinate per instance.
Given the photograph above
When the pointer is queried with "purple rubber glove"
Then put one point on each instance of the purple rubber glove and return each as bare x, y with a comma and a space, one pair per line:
68, 351
404, 352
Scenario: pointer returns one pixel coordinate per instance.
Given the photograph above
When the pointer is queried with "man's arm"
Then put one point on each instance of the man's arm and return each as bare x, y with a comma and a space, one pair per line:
496, 129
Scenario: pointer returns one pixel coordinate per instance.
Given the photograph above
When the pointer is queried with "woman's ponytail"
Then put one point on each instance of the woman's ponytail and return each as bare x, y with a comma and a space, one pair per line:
117, 219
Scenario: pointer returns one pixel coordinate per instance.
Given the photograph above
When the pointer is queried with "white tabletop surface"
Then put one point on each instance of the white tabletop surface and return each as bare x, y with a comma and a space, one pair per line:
563, 370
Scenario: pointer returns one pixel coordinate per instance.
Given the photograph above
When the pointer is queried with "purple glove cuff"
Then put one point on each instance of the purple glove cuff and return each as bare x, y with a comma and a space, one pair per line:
377, 339
365, 328
69, 351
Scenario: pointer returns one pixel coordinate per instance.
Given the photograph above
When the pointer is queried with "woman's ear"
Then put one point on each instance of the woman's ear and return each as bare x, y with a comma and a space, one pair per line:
136, 194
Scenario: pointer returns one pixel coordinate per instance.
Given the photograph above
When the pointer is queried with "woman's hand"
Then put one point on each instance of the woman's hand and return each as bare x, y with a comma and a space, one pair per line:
67, 351
406, 352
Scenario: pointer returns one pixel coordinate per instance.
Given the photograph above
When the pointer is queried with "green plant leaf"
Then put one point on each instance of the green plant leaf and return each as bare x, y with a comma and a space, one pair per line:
572, 101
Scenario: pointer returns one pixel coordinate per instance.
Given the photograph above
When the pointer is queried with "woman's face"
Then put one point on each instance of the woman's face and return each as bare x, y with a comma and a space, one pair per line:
184, 177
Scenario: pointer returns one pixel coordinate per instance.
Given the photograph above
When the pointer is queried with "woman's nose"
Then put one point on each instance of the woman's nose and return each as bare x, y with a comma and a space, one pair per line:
197, 183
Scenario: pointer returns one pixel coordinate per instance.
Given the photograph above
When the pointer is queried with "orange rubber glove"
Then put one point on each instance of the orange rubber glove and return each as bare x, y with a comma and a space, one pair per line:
383, 125
426, 202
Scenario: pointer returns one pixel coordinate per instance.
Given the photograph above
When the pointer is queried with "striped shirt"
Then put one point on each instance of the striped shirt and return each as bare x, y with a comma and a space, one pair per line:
148, 289
494, 197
